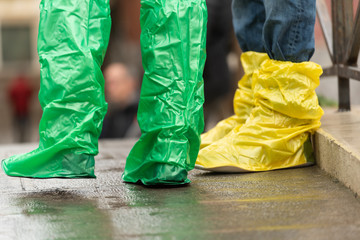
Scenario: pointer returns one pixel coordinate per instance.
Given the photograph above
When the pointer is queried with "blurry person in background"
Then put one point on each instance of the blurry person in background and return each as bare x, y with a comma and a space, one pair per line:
217, 77
19, 94
122, 95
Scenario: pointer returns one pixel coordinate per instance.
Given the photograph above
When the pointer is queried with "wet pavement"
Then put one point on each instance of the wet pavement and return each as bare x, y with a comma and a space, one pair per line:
288, 204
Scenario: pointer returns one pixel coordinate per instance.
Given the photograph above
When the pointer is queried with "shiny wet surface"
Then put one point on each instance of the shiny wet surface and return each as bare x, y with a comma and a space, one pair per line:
288, 204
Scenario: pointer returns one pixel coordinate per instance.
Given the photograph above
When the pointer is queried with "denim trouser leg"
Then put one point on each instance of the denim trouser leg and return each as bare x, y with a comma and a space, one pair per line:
248, 21
287, 31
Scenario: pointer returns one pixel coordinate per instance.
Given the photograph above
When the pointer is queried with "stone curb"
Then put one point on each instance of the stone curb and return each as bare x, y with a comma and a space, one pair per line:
338, 160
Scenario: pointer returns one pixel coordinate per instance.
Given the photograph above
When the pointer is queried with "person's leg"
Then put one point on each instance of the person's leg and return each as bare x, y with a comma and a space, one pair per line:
248, 21
17, 127
288, 33
286, 112
73, 37
218, 45
170, 115
23, 126
218, 40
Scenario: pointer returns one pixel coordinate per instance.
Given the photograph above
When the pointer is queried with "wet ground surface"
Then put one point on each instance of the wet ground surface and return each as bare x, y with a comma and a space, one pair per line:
288, 204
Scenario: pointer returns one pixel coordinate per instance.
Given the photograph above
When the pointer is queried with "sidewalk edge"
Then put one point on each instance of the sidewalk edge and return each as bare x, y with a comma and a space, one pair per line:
338, 160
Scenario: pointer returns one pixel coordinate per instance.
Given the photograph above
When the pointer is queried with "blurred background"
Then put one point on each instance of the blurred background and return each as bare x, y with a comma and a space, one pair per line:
20, 111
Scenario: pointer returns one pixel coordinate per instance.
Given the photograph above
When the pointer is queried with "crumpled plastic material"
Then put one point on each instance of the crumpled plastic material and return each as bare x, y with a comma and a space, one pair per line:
72, 41
170, 114
243, 100
277, 133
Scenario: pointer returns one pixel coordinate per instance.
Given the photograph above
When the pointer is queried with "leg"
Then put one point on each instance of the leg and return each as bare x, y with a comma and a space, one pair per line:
248, 21
288, 33
73, 38
286, 110
219, 36
170, 112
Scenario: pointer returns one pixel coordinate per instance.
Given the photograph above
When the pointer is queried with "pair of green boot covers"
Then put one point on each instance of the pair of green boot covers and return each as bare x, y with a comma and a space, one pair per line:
73, 38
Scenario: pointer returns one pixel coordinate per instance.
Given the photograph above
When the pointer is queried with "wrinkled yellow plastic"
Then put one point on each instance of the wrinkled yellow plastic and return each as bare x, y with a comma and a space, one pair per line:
276, 135
243, 100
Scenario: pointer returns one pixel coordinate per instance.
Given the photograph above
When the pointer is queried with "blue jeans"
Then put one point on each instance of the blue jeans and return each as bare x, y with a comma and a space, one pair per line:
284, 29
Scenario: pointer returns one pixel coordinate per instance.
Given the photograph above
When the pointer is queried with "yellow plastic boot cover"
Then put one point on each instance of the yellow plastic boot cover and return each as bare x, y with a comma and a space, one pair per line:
276, 135
243, 100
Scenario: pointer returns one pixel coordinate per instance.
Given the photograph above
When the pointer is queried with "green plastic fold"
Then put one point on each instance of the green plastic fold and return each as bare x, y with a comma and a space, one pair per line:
170, 113
72, 41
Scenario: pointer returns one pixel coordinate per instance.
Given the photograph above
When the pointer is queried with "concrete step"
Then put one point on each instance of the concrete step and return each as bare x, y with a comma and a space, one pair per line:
337, 146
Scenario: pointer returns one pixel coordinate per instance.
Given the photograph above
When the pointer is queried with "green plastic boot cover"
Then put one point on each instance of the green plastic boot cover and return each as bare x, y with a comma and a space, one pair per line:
72, 41
170, 112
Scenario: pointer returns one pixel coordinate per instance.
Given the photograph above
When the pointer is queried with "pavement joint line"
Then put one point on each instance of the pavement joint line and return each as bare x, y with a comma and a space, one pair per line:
269, 228
236, 230
280, 198
102, 197
22, 185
